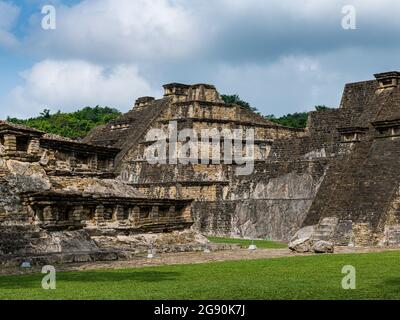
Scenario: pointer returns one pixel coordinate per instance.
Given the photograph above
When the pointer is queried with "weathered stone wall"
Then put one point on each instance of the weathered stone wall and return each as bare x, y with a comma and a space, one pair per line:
19, 177
271, 203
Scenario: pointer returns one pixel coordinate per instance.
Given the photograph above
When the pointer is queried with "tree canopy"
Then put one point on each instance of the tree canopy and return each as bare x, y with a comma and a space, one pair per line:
235, 99
294, 120
72, 125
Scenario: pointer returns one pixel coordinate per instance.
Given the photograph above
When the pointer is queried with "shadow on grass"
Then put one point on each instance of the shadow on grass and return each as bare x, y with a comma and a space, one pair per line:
393, 283
112, 276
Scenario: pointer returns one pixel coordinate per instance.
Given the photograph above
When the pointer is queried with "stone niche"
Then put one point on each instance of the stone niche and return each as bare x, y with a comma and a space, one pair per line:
71, 156
51, 216
143, 102
63, 210
55, 153
204, 92
352, 134
177, 91
19, 144
388, 129
198, 92
120, 126
388, 79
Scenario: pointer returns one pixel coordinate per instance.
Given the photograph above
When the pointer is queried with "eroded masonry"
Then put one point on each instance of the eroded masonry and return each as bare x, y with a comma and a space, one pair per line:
338, 177
61, 198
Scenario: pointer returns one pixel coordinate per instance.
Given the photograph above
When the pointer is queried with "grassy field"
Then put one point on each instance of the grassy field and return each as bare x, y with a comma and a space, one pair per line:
309, 277
262, 244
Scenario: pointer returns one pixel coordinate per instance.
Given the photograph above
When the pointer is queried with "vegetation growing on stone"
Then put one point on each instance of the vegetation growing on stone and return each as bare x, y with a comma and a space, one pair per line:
294, 120
235, 99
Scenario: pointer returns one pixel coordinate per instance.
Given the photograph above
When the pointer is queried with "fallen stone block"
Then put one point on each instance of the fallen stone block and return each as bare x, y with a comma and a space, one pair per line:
300, 245
323, 247
303, 233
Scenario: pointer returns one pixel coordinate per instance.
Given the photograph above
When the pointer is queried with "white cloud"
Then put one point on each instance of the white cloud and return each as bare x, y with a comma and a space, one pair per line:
122, 30
172, 32
168, 31
292, 84
8, 16
68, 85
282, 56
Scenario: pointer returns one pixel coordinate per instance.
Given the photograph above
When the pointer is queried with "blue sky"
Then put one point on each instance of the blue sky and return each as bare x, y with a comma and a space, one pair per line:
280, 55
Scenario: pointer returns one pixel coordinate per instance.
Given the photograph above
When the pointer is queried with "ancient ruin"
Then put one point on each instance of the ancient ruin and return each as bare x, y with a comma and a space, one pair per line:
61, 197
224, 204
333, 183
338, 175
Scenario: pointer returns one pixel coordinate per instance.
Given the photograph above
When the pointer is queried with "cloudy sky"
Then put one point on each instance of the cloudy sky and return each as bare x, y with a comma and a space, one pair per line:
280, 55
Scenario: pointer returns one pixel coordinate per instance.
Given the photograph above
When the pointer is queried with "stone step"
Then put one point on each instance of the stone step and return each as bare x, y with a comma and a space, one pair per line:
326, 227
394, 236
328, 221
318, 236
394, 229
321, 235
324, 233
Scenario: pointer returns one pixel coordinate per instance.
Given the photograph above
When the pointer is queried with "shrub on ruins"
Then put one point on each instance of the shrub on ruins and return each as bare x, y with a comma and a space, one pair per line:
294, 120
297, 119
72, 125
322, 108
235, 99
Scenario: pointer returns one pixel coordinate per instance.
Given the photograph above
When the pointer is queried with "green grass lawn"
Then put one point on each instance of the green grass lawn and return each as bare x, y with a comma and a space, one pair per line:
262, 244
308, 277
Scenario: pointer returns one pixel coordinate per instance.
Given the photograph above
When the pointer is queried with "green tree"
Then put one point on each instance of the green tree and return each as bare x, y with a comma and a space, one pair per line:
235, 99
45, 113
294, 120
321, 108
72, 125
297, 119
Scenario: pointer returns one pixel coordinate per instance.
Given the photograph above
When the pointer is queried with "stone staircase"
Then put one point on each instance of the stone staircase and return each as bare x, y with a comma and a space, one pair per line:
359, 187
325, 230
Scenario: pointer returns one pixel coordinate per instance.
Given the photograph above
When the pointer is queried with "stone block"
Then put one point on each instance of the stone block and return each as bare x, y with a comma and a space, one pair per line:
323, 247
300, 245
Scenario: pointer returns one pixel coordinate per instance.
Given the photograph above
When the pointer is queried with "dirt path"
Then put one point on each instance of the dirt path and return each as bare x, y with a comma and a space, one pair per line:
189, 258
